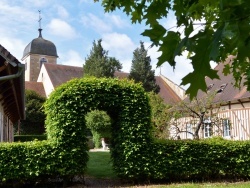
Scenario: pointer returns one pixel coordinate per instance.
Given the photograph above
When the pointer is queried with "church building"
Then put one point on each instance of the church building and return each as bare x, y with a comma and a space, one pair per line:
43, 74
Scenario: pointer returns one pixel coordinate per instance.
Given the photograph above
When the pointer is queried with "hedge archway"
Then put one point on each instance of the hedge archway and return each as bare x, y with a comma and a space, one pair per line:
125, 102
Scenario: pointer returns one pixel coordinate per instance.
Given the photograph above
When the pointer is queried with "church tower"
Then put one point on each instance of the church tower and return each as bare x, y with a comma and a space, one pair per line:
37, 52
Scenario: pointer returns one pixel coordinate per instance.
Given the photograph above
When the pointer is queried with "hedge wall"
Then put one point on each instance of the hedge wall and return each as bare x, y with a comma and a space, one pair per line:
201, 160
27, 160
135, 155
125, 102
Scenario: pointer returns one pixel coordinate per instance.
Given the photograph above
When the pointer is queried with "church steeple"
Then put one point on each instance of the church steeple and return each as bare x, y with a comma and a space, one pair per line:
38, 52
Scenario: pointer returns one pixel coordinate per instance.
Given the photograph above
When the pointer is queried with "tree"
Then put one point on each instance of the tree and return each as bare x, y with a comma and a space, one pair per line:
141, 70
99, 123
207, 30
199, 114
35, 116
98, 63
160, 117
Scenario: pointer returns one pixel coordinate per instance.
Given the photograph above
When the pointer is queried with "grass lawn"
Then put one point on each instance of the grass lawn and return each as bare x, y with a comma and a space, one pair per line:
202, 185
100, 166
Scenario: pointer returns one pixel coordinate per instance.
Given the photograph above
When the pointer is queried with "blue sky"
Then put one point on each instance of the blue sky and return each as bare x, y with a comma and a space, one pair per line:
73, 26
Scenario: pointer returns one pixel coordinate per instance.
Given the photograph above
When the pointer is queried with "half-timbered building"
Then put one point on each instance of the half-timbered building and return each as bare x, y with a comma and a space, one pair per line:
231, 106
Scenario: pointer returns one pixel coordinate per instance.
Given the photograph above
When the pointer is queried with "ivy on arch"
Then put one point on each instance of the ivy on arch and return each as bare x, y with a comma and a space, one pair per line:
125, 102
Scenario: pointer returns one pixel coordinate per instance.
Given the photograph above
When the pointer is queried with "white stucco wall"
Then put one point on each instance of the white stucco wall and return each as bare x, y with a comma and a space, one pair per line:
45, 79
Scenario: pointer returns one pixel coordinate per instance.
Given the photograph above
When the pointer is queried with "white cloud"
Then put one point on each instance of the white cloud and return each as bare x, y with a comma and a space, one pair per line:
61, 28
72, 58
86, 1
62, 12
104, 24
116, 20
118, 45
15, 15
126, 65
14, 46
92, 21
153, 53
38, 3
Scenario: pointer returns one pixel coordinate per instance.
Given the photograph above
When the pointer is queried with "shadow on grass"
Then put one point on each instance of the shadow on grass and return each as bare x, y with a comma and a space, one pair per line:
100, 165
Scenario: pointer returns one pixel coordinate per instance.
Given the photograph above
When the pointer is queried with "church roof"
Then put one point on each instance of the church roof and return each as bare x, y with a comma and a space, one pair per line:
60, 74
40, 46
224, 88
166, 92
36, 86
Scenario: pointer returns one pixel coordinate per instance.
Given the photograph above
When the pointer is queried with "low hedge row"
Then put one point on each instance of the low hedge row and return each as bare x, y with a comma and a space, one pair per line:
33, 160
27, 138
134, 153
26, 160
202, 160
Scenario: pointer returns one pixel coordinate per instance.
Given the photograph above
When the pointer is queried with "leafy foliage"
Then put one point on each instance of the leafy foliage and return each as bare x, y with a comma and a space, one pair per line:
160, 116
99, 123
35, 116
124, 101
207, 30
141, 70
28, 160
134, 154
99, 64
191, 160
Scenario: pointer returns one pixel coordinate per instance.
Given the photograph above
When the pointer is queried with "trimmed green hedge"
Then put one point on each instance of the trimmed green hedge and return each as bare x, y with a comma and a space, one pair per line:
203, 160
135, 155
27, 160
27, 138
125, 102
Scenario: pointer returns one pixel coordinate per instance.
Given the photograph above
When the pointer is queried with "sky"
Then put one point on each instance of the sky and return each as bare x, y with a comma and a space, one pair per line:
73, 26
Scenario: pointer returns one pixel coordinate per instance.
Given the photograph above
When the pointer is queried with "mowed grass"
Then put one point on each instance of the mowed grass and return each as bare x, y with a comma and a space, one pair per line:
201, 185
100, 165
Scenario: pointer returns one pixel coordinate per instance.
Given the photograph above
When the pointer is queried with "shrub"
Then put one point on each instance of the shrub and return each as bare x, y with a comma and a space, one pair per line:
135, 155
100, 125
127, 105
205, 159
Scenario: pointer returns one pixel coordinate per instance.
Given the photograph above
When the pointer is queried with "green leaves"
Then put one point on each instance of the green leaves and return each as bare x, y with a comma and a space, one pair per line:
207, 30
169, 48
99, 64
124, 101
192, 159
155, 34
141, 70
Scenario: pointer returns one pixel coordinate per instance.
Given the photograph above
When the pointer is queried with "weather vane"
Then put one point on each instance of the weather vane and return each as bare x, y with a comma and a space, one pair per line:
39, 19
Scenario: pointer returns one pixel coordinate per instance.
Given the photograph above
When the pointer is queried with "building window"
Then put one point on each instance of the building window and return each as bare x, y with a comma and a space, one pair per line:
221, 89
42, 61
189, 131
208, 131
226, 128
26, 65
